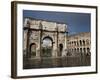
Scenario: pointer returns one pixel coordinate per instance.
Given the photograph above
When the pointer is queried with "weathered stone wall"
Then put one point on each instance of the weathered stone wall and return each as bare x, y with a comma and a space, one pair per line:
80, 43
39, 29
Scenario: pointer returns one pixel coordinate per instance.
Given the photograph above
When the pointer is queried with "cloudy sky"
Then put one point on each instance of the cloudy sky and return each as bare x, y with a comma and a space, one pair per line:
47, 42
77, 22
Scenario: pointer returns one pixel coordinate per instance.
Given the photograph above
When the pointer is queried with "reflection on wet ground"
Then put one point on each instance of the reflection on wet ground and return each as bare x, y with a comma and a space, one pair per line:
49, 62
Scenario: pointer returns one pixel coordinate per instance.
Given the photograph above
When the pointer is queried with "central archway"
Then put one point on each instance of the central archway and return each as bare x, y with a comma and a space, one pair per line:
47, 46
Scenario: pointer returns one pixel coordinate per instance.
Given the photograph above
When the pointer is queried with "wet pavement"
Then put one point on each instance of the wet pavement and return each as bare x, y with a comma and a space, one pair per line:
49, 62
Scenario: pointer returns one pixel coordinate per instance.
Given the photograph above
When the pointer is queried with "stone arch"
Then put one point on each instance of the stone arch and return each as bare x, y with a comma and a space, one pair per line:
77, 50
83, 42
88, 49
80, 50
48, 37
60, 49
47, 46
33, 49
84, 50
80, 43
87, 42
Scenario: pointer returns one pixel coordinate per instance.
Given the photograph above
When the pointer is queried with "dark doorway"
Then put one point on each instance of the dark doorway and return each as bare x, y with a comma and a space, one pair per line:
33, 49
88, 51
80, 50
84, 50
60, 49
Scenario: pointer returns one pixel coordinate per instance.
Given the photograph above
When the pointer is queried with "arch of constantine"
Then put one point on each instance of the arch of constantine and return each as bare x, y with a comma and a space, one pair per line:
41, 36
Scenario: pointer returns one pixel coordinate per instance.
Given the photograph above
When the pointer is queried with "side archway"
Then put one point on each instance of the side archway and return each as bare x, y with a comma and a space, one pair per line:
33, 49
60, 49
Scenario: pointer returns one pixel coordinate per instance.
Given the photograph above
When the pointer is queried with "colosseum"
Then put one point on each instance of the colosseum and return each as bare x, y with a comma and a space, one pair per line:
51, 40
79, 44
